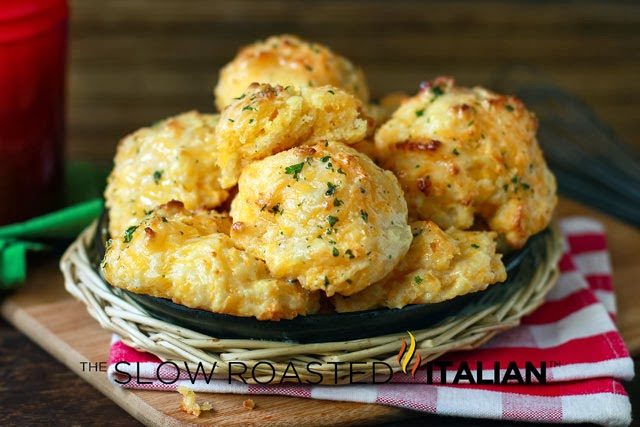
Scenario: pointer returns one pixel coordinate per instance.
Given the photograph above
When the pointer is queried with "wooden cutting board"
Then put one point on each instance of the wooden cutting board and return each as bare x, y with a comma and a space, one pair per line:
54, 320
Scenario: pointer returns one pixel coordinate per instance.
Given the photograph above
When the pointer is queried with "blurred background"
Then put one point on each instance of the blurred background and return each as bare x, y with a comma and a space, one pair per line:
133, 62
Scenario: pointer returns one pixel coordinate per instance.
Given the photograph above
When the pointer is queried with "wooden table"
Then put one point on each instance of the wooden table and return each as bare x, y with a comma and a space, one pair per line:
133, 62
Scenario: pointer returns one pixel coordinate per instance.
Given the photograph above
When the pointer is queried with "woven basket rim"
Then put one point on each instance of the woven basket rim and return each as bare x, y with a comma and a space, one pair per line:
117, 312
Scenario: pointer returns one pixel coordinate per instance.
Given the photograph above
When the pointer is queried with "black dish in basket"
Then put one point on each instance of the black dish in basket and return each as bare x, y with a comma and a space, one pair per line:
337, 326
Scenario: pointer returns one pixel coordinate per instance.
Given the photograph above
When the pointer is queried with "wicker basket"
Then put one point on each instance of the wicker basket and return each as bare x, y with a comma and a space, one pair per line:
115, 311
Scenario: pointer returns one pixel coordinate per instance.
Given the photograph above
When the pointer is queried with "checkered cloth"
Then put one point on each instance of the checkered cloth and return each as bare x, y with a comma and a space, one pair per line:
573, 331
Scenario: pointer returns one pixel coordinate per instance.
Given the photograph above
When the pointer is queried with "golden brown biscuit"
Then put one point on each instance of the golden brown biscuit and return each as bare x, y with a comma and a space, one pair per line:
266, 120
323, 214
174, 159
288, 60
439, 266
461, 152
188, 257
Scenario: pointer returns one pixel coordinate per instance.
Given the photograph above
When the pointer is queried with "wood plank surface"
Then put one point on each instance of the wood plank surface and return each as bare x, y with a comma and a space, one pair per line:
55, 321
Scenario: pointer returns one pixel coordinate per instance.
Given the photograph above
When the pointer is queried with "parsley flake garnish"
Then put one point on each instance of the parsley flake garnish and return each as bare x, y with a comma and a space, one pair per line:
294, 170
248, 108
331, 189
364, 215
456, 152
417, 280
420, 112
332, 220
325, 159
475, 246
437, 91
337, 202
335, 252
509, 107
157, 176
128, 234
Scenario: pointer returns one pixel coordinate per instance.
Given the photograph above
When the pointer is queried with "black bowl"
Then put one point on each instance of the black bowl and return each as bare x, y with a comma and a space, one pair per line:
336, 326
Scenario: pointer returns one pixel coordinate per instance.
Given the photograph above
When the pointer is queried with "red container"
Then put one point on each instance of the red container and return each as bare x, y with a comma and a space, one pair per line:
33, 48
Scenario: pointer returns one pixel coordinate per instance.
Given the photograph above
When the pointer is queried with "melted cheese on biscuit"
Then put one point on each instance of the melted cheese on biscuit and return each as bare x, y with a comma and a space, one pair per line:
288, 60
324, 214
174, 159
462, 152
266, 120
439, 266
188, 257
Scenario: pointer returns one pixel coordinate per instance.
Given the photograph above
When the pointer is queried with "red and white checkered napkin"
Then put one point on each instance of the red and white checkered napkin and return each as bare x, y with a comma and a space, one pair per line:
573, 330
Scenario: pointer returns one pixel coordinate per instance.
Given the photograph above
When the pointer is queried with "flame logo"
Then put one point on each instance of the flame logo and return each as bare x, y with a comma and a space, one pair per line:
405, 355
